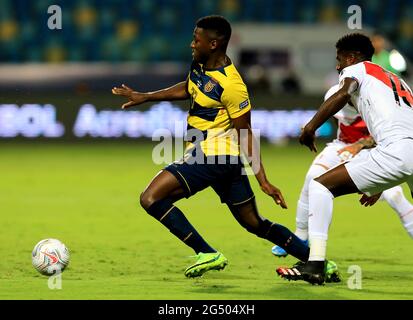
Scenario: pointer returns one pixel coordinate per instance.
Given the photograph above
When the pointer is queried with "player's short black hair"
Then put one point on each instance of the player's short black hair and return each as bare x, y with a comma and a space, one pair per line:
217, 24
356, 42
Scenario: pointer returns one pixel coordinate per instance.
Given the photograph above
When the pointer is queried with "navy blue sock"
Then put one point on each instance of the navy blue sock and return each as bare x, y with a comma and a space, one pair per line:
173, 218
287, 240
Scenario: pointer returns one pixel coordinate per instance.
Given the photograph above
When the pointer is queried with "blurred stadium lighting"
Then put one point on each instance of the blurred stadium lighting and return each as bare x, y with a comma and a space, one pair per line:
397, 61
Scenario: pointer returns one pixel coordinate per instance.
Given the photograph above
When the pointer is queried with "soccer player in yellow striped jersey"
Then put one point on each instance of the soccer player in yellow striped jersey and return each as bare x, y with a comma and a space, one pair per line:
219, 111
217, 96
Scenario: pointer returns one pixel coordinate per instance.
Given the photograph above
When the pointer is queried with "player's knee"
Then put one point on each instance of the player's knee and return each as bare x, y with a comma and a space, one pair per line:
156, 208
315, 171
146, 200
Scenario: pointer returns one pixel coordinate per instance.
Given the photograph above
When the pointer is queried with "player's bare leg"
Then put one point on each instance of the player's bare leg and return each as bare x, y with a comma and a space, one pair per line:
158, 198
163, 185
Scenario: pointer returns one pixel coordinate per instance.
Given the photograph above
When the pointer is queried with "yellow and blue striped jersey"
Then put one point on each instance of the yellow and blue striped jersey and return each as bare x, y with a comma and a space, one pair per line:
217, 96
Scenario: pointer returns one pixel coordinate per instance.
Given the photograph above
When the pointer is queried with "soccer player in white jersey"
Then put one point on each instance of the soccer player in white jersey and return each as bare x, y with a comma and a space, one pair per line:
353, 138
384, 102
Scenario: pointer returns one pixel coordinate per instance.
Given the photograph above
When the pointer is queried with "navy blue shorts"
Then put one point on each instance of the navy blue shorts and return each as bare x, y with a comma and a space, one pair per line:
226, 179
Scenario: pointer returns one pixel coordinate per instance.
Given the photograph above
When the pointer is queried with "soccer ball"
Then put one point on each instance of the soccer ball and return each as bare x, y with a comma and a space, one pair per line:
50, 256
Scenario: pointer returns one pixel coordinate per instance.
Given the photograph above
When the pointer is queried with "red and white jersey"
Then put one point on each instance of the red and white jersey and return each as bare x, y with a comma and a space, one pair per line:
351, 126
383, 100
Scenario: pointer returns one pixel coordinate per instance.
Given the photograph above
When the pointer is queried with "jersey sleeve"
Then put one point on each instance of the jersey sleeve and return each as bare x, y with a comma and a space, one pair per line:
331, 91
356, 72
236, 100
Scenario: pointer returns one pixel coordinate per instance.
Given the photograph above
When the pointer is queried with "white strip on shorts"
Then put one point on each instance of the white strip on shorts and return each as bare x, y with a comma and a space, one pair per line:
383, 167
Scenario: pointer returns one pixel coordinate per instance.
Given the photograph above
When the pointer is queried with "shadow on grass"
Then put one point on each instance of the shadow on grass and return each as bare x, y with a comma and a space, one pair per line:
280, 290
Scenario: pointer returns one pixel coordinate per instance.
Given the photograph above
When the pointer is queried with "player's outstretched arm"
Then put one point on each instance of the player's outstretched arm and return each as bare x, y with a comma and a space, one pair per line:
176, 92
329, 107
250, 148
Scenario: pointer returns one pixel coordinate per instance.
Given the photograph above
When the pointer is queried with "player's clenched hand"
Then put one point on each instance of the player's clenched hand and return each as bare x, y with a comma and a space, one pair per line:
307, 138
275, 193
369, 201
134, 97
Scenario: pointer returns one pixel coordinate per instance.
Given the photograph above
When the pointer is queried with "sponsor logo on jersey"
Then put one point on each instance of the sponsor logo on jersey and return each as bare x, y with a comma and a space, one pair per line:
244, 104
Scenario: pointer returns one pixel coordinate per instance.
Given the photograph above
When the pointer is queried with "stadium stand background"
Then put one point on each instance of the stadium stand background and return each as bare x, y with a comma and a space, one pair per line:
145, 44
153, 31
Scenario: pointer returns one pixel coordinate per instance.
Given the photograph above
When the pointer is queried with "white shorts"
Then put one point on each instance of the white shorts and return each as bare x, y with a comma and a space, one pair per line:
329, 157
382, 168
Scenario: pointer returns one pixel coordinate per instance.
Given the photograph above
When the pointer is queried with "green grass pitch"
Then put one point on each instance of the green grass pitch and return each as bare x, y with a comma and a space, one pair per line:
87, 196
